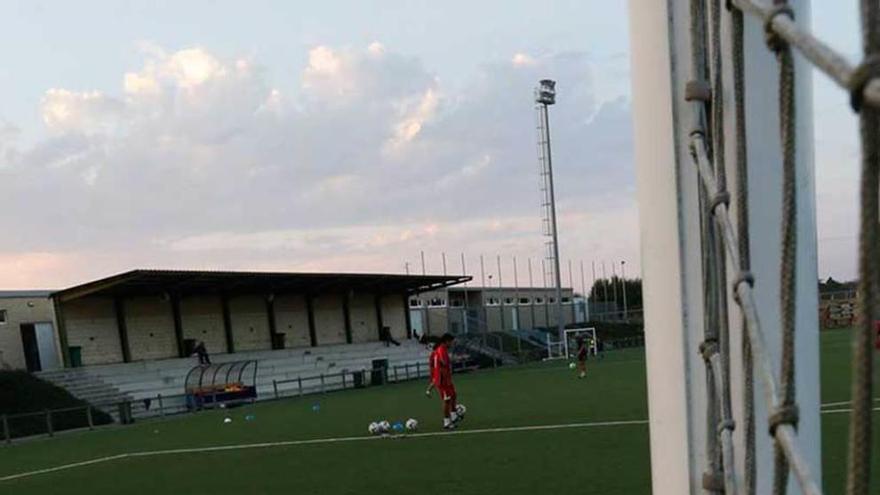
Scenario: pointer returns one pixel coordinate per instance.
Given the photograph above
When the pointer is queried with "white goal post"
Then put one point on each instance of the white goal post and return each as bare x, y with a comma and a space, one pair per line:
671, 247
568, 347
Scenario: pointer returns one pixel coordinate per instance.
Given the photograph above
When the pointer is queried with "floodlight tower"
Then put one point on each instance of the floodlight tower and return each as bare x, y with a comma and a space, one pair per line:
545, 95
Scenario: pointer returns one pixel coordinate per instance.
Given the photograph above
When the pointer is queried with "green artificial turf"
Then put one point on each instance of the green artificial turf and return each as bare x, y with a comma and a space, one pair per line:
597, 459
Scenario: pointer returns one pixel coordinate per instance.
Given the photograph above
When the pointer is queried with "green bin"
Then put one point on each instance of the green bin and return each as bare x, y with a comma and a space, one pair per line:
76, 360
379, 373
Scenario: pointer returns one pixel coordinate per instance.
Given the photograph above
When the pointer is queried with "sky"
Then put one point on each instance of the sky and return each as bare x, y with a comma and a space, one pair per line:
336, 136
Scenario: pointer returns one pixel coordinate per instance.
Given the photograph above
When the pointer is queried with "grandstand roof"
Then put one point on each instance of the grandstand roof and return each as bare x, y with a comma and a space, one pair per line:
148, 282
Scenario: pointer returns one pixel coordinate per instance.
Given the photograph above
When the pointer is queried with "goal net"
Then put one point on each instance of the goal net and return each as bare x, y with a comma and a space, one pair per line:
568, 347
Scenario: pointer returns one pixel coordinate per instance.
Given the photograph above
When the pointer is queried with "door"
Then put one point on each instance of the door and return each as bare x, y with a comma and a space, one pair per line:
30, 347
415, 321
46, 346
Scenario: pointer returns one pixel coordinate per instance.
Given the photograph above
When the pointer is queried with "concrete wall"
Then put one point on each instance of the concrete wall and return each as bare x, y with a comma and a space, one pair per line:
292, 320
394, 315
19, 311
150, 326
437, 321
250, 323
364, 323
202, 319
329, 319
91, 324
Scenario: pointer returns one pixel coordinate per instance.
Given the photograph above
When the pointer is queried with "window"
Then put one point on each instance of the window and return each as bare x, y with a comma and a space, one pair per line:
492, 301
437, 302
539, 300
552, 300
415, 303
525, 300
508, 301
566, 300
2, 316
456, 303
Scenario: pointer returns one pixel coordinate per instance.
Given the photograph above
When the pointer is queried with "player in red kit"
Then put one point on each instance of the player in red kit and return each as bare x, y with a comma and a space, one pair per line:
441, 379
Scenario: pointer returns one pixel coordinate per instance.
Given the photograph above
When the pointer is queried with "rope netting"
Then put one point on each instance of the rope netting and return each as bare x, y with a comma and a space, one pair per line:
707, 145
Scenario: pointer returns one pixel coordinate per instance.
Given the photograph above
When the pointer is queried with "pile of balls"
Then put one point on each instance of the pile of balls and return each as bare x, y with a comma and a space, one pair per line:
385, 428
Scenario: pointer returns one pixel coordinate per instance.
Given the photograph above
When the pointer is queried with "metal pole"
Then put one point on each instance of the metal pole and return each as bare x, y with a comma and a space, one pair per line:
559, 323
531, 293
406, 267
614, 284
161, 406
484, 324
275, 387
623, 274
584, 294
49, 423
422, 253
299, 384
500, 292
444, 262
516, 307
571, 284
89, 419
466, 302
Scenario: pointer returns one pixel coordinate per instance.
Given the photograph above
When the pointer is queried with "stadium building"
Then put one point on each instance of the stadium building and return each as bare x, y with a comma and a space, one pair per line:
147, 315
493, 309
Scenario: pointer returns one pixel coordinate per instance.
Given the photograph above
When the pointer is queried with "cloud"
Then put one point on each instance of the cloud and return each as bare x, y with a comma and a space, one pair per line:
88, 112
201, 161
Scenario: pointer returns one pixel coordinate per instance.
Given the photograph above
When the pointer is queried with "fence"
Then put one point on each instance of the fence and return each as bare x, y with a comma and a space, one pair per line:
51, 421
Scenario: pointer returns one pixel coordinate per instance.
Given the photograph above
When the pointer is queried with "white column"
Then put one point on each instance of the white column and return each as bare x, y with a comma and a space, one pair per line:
670, 247
670, 242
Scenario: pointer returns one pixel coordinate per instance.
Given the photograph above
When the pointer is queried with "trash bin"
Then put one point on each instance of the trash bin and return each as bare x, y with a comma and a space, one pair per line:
278, 340
76, 360
358, 378
380, 372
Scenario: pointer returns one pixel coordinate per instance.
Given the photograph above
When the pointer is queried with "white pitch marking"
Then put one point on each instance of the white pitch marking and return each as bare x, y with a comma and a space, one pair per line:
833, 411
843, 403
288, 443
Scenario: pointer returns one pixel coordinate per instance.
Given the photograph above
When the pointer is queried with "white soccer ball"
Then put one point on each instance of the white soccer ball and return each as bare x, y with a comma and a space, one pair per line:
227, 420
460, 409
412, 425
571, 366
373, 428
384, 427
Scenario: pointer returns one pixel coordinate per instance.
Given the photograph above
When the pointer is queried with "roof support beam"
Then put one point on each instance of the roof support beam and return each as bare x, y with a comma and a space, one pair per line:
227, 323
273, 330
178, 325
346, 314
310, 311
122, 328
379, 320
62, 332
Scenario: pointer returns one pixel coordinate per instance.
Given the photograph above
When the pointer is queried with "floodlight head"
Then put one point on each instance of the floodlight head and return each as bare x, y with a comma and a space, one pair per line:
546, 93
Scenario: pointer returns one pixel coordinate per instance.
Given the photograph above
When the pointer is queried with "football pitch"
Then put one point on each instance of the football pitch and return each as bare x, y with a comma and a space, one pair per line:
529, 429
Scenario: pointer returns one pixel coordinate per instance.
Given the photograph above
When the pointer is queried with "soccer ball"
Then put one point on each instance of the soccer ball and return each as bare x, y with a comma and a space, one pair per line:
571, 366
460, 409
384, 427
412, 425
398, 427
373, 428
227, 420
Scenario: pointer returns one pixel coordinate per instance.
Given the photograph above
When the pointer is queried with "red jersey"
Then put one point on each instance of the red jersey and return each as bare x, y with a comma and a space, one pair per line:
441, 366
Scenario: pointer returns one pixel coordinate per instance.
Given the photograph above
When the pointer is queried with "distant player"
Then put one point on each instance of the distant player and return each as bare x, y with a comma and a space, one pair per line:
582, 357
441, 379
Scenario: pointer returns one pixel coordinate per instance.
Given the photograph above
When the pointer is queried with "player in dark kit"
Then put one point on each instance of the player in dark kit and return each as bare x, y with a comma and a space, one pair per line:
441, 379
